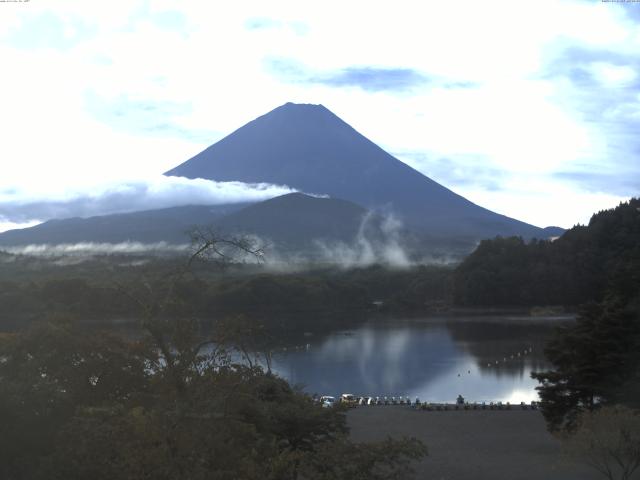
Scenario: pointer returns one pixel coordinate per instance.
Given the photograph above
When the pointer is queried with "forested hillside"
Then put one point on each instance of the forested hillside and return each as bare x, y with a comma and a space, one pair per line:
579, 266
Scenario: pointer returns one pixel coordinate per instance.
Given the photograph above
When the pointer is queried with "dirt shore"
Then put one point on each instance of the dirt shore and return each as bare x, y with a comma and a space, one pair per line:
473, 444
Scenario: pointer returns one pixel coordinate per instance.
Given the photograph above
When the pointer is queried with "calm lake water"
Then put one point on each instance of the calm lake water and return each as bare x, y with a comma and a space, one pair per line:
435, 359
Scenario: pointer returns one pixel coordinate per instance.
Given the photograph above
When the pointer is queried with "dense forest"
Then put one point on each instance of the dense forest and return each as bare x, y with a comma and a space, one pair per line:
94, 294
578, 267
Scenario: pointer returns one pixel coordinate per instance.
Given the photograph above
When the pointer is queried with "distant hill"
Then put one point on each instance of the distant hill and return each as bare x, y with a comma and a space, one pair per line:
166, 224
552, 232
297, 219
309, 148
294, 220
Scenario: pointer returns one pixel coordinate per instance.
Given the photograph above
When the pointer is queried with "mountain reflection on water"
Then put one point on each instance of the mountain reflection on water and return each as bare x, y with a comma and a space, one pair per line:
483, 359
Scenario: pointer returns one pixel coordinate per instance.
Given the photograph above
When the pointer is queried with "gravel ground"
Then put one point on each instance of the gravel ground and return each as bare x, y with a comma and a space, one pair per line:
473, 444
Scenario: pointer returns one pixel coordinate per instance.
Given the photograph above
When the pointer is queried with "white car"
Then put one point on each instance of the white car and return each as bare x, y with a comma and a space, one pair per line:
327, 401
349, 399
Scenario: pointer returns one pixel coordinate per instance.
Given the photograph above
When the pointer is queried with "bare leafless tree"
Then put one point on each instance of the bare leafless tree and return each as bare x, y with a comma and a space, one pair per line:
177, 339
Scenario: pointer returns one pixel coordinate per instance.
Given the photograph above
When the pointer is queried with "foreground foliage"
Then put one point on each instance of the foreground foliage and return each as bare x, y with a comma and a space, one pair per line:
78, 405
597, 359
596, 362
174, 403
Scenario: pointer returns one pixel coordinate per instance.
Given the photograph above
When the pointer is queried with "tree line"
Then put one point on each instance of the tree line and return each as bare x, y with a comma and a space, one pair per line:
284, 300
583, 265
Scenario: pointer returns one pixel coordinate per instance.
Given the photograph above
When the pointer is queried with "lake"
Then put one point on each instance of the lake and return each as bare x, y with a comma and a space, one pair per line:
482, 358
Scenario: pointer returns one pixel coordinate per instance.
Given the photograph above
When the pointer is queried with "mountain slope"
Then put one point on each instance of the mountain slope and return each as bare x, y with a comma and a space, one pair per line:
296, 219
292, 220
166, 224
309, 148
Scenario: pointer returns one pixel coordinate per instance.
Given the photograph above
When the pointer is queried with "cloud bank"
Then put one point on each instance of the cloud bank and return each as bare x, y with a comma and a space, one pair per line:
367, 78
21, 205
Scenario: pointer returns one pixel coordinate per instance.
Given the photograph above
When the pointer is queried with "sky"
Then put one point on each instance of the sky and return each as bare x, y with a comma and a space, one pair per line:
528, 108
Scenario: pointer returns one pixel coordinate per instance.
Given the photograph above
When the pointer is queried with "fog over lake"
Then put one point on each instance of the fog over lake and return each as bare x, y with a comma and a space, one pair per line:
435, 359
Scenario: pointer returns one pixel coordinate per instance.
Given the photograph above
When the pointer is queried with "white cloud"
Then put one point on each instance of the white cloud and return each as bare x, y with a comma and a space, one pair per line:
548, 202
9, 225
613, 75
24, 205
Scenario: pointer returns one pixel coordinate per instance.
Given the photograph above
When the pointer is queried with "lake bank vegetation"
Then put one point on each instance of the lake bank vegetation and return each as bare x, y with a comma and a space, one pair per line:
284, 300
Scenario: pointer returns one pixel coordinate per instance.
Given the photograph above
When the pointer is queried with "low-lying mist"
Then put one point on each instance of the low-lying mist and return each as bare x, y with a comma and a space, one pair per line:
88, 249
381, 239
378, 241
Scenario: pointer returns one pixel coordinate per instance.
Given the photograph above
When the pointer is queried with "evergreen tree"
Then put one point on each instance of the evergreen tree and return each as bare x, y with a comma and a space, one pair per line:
595, 362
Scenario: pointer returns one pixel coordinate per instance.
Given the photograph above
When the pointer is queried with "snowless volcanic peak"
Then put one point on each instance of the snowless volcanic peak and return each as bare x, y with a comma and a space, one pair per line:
309, 148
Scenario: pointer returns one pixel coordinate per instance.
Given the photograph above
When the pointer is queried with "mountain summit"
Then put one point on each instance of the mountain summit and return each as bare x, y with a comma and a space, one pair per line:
312, 150
309, 148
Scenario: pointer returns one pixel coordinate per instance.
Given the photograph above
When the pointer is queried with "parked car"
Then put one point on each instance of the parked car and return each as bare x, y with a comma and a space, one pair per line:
327, 401
348, 399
